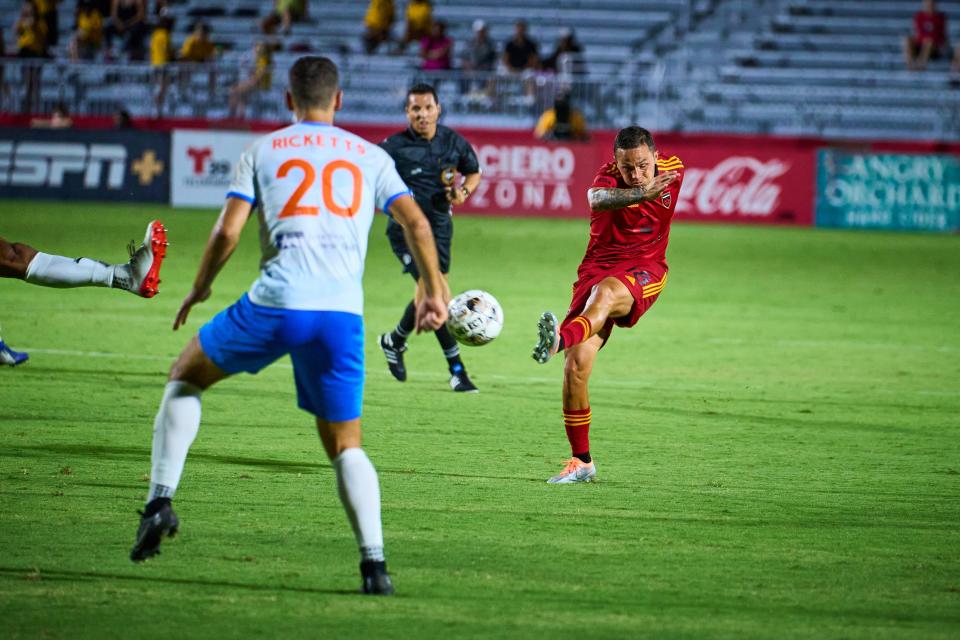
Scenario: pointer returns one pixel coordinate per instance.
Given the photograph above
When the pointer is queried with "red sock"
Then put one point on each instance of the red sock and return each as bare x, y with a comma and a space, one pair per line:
577, 424
575, 332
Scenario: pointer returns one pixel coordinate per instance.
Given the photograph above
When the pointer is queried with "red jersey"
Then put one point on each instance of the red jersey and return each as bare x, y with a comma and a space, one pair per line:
930, 26
635, 235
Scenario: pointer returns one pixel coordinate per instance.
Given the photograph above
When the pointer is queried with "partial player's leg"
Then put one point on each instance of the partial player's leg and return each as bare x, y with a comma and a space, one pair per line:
329, 374
14, 259
459, 380
359, 489
577, 368
174, 430
141, 275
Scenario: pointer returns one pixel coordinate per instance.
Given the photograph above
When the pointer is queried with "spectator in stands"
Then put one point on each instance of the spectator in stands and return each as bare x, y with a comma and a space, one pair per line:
47, 11
567, 56
929, 38
520, 55
480, 55
128, 22
259, 79
161, 55
198, 47
436, 50
378, 22
161, 46
59, 119
122, 119
31, 32
87, 38
290, 11
562, 122
419, 22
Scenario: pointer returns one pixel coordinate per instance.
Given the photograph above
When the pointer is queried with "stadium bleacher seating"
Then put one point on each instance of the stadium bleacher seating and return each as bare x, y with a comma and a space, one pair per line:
810, 67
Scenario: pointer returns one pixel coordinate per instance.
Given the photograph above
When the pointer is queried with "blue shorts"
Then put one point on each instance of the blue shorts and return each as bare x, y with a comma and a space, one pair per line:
326, 348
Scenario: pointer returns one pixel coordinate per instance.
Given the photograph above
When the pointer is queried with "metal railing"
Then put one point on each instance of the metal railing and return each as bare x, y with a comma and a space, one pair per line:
659, 96
216, 91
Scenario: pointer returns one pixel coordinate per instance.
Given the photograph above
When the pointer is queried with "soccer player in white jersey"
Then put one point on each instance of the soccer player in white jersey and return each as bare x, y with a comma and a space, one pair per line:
315, 188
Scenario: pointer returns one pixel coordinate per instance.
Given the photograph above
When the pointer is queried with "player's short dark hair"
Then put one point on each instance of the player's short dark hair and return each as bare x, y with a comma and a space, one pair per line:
314, 82
632, 137
421, 89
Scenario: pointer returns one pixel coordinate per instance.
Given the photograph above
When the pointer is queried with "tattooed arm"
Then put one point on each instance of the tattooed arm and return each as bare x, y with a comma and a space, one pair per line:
610, 199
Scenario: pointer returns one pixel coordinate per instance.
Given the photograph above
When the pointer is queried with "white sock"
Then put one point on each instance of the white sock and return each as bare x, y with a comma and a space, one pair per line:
57, 271
359, 490
174, 430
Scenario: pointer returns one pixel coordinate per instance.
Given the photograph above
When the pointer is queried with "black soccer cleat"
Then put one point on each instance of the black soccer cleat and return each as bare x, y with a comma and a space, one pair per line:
161, 521
376, 580
460, 382
394, 357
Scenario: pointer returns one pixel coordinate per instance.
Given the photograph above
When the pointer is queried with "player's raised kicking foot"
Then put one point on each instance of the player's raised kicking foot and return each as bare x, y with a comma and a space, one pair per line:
548, 338
141, 275
394, 356
575, 470
376, 580
157, 520
10, 357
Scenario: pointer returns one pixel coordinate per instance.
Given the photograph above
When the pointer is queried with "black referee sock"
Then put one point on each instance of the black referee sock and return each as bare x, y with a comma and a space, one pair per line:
405, 327
451, 350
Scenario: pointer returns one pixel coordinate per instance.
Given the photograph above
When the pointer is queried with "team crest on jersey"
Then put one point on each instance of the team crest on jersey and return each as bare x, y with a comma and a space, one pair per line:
447, 175
665, 200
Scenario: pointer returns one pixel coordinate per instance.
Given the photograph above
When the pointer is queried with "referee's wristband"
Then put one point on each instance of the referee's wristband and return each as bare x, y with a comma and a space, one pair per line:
465, 192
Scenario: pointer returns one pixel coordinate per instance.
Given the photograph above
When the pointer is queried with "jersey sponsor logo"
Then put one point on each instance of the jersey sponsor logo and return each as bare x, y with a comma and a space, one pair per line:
46, 164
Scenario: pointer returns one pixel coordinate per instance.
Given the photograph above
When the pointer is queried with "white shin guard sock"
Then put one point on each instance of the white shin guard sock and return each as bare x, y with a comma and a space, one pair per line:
359, 490
174, 430
57, 271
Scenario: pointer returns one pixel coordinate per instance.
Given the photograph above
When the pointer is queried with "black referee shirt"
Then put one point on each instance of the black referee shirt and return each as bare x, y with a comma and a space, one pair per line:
430, 166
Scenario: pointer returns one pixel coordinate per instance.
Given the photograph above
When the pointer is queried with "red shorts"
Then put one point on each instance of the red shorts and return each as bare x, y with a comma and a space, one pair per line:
643, 281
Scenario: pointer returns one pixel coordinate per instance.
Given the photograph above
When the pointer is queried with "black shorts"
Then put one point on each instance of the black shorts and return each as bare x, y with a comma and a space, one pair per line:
442, 234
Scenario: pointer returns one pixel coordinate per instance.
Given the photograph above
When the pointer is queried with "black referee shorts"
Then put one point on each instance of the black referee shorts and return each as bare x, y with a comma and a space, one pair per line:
442, 234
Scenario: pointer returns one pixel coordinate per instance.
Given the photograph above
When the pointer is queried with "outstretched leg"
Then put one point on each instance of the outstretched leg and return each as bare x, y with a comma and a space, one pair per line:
141, 275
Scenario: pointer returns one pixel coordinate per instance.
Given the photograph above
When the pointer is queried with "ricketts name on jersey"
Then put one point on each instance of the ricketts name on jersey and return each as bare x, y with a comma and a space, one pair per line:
638, 233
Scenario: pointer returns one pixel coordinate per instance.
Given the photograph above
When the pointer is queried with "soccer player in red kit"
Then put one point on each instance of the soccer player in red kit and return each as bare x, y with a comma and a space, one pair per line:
632, 201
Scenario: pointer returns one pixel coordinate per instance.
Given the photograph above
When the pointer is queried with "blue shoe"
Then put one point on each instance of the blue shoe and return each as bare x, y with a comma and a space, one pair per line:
11, 357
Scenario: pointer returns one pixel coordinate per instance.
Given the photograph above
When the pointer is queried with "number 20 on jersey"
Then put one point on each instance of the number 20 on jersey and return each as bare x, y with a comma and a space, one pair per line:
293, 207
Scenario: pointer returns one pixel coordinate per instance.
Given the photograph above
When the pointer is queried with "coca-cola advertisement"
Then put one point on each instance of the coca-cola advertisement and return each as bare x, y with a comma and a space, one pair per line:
752, 180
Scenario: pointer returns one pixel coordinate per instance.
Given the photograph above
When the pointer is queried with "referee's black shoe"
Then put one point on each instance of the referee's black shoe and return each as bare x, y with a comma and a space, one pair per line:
394, 357
376, 580
460, 382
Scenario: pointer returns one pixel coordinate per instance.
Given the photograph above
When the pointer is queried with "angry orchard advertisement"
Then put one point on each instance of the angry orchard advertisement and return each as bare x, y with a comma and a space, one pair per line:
888, 191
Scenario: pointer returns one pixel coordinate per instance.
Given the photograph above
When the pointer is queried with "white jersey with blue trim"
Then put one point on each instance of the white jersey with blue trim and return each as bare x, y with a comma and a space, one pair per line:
315, 188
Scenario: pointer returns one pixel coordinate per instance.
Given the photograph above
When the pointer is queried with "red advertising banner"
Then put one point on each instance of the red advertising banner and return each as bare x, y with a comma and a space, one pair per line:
728, 178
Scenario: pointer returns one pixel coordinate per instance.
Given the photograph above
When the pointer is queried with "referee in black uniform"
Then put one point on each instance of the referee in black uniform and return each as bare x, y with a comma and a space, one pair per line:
429, 157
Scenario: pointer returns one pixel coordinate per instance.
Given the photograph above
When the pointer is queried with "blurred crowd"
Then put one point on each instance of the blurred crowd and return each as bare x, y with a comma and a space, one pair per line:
144, 31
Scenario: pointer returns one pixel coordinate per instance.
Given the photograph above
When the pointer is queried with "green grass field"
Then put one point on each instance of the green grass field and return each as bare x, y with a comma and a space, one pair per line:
777, 441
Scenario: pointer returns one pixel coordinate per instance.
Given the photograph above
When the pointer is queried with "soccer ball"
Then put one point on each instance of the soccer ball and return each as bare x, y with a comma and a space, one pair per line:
475, 318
